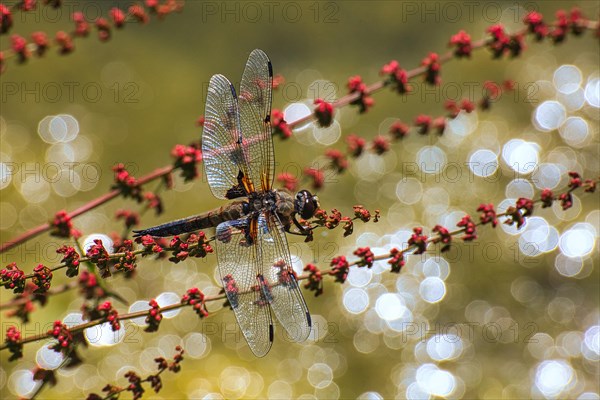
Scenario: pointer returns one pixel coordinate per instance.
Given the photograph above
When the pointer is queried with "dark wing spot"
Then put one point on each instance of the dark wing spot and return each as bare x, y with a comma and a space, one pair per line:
268, 119
236, 192
270, 68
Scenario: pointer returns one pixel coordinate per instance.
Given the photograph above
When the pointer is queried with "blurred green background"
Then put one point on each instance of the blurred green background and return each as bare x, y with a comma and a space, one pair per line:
527, 326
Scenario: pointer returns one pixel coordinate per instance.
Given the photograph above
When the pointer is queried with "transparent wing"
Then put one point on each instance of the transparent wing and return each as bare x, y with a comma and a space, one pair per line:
288, 303
255, 118
221, 138
239, 266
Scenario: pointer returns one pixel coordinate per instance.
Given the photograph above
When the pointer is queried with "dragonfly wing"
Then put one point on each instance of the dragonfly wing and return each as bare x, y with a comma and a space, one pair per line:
288, 303
255, 118
221, 138
239, 262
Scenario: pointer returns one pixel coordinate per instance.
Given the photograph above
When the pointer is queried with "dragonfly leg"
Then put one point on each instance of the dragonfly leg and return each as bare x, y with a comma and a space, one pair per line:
302, 230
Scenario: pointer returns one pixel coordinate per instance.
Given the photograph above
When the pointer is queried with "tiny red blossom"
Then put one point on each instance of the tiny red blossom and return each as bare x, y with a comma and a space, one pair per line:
150, 245
566, 200
82, 27
70, 259
364, 101
439, 124
399, 130
154, 202
195, 298
418, 240
469, 227
500, 40
452, 107
396, 261
138, 12
89, 286
118, 17
432, 63
348, 226
199, 245
42, 278
323, 112
590, 186
462, 42
152, 4
19, 47
362, 213
488, 214
444, 237
126, 183
40, 39
65, 42
127, 261
332, 220
279, 125
340, 269
317, 176
135, 385
576, 21
367, 258
6, 19
315, 279
561, 25
62, 226
380, 145
338, 159
27, 5
154, 317
278, 80
103, 28
547, 198
187, 159
423, 122
131, 218
13, 342
514, 216
64, 338
491, 93
516, 45
356, 145
575, 180
13, 278
526, 204
398, 76
98, 255
467, 105
289, 181
536, 25
109, 314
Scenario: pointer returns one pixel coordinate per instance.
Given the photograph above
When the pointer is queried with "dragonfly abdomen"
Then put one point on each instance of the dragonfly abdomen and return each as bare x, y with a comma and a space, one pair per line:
206, 220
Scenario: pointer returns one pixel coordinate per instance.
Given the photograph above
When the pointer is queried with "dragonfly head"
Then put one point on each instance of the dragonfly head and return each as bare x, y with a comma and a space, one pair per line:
306, 204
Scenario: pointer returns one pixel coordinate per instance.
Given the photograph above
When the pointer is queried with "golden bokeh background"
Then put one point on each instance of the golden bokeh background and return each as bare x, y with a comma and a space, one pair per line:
511, 315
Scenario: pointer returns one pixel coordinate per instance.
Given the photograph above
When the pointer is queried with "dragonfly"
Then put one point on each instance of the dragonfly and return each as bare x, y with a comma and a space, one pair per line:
253, 256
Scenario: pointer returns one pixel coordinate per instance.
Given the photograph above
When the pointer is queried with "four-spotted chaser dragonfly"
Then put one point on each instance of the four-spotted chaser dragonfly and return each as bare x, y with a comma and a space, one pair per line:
252, 251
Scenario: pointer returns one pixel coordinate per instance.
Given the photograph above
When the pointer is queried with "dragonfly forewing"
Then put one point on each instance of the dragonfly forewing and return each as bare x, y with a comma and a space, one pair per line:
221, 137
255, 118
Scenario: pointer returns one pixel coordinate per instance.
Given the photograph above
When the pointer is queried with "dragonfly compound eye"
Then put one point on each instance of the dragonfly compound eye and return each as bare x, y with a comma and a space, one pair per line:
306, 204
